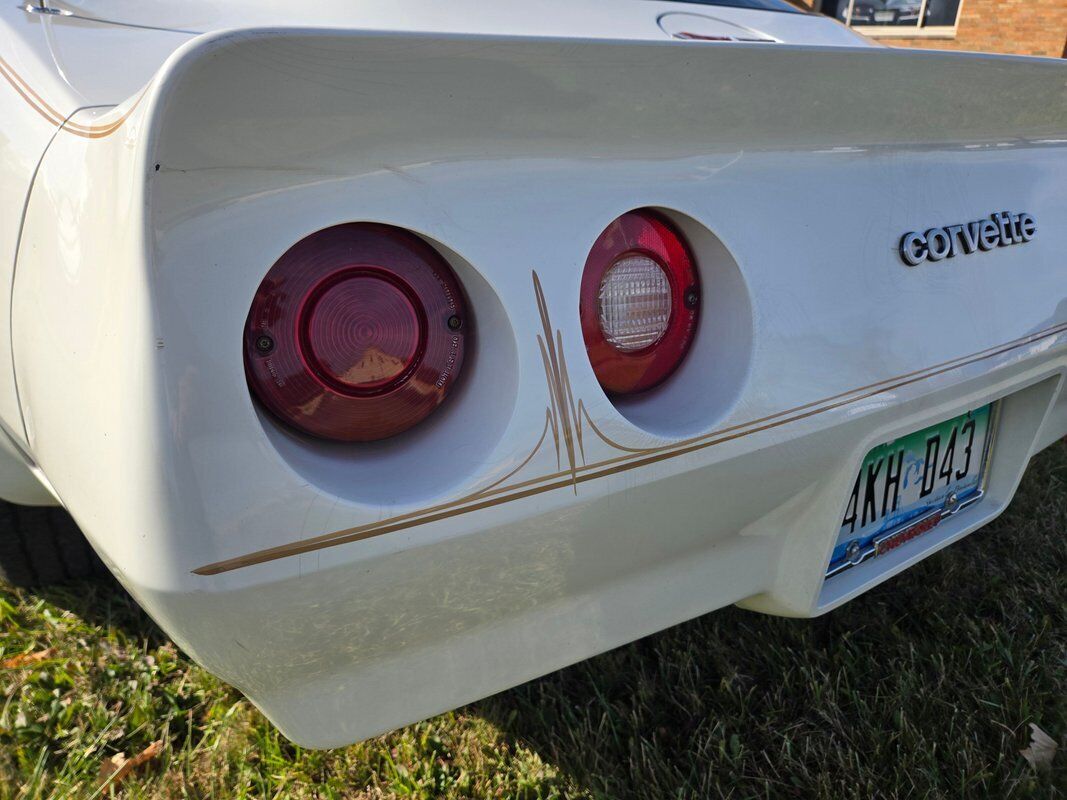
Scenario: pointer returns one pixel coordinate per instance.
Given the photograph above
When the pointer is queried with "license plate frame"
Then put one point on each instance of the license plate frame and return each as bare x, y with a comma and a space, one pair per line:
866, 547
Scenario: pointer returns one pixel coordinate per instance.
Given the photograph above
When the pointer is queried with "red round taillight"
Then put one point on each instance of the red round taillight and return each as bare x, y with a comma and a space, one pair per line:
356, 334
640, 301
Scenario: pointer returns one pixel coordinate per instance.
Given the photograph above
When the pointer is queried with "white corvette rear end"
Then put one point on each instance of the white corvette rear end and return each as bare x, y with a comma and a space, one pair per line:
534, 517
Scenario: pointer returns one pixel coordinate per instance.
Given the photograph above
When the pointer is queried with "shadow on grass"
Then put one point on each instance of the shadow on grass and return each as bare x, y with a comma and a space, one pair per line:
102, 602
924, 686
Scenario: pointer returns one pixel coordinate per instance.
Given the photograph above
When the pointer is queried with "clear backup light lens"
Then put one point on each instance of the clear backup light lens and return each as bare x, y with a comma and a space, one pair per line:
640, 302
635, 303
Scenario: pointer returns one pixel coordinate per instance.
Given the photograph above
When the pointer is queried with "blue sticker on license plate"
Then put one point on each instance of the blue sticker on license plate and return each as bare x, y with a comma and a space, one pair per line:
908, 486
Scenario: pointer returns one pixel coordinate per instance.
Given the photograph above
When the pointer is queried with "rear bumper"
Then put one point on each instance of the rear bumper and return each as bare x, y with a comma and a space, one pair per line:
419, 622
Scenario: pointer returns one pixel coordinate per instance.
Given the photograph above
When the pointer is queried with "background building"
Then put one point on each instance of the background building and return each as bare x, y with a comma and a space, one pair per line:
1028, 27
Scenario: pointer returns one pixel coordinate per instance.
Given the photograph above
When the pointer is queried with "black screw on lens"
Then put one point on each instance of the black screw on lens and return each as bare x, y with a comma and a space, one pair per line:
454, 323
264, 344
691, 297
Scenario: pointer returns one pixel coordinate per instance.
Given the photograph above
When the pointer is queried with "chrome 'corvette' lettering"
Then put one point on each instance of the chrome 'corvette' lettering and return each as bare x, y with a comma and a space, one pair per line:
1000, 230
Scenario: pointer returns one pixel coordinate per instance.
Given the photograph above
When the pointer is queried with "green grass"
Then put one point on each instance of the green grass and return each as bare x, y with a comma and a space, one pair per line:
922, 688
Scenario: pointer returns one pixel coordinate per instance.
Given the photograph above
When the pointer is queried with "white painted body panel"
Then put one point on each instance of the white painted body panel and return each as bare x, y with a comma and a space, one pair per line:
350, 589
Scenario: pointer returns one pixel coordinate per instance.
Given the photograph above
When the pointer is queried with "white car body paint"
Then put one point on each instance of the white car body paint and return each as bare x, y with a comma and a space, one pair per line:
151, 177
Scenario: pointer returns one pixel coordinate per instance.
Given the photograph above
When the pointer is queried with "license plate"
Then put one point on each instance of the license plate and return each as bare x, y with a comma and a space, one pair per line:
883, 16
906, 487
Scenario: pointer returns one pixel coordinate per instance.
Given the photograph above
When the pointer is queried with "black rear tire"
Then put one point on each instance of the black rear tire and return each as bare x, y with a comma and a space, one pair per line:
41, 546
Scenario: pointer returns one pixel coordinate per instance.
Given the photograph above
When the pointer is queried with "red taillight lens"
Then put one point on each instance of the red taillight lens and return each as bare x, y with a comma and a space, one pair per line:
640, 301
356, 334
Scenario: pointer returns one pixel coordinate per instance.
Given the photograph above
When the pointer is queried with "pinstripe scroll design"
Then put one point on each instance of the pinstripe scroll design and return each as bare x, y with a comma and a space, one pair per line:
565, 419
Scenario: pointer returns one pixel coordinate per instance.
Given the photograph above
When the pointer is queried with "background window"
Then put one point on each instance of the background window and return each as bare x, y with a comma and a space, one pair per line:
895, 14
942, 12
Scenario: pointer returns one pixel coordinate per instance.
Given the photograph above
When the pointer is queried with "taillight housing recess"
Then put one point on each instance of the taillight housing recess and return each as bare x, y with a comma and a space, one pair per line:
357, 333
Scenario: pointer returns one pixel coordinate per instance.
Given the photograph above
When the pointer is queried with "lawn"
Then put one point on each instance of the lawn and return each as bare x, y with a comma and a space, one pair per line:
924, 687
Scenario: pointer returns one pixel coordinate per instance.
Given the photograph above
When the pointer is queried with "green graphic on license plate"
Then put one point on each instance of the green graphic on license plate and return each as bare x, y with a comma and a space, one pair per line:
903, 479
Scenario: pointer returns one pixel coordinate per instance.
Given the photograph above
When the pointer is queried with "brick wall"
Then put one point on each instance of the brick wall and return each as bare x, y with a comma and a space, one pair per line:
1026, 27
